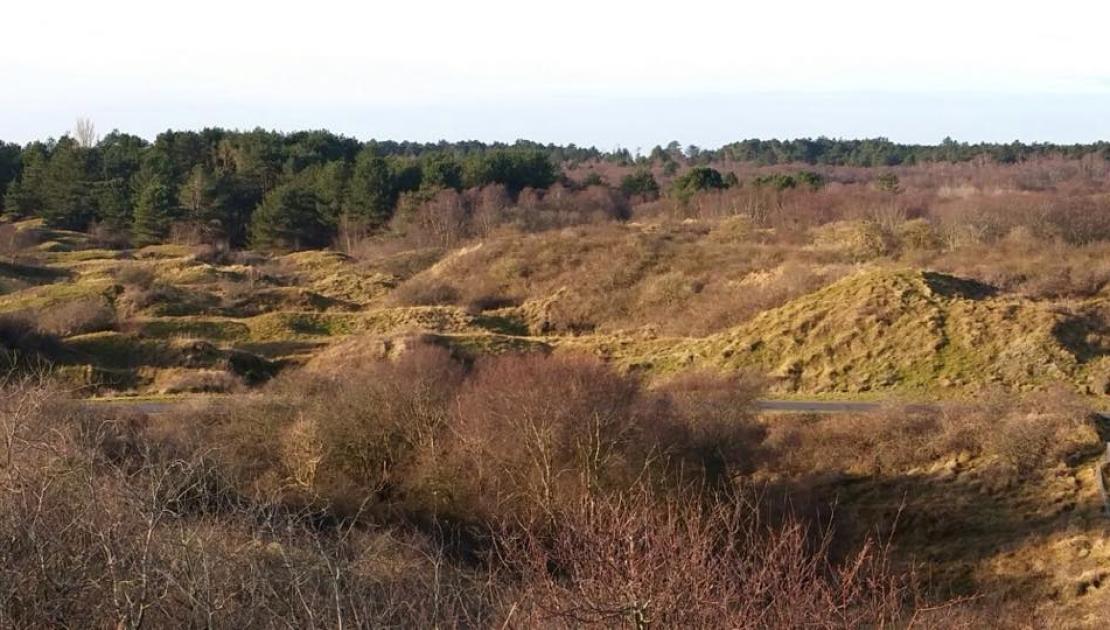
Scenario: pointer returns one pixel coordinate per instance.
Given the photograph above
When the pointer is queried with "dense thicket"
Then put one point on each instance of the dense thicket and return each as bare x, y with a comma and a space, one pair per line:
527, 492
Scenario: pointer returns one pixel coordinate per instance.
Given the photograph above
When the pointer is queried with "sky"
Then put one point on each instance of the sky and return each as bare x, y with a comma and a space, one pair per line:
592, 72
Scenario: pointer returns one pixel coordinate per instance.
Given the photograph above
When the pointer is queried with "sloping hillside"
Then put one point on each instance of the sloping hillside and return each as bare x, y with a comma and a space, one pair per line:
887, 330
905, 330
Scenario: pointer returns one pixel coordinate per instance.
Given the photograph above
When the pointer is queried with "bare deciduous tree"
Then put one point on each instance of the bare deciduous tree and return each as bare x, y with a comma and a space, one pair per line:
84, 131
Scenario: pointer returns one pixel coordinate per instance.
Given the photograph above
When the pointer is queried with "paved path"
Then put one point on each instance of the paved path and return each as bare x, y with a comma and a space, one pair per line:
817, 406
139, 405
799, 406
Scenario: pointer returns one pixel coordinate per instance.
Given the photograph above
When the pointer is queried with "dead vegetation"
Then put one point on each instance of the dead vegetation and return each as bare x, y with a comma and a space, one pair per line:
1017, 436
535, 490
274, 512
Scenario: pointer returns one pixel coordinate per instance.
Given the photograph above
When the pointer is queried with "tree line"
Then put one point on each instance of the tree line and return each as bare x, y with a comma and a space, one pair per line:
269, 189
883, 152
259, 187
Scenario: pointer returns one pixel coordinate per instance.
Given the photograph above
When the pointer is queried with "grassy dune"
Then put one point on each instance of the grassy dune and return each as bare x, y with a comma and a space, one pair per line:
654, 299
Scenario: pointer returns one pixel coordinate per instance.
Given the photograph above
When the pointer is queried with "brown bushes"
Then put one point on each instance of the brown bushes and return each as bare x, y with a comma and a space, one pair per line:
425, 293
516, 440
366, 435
679, 279
78, 317
105, 527
638, 561
180, 381
112, 521
713, 436
13, 241
136, 276
1025, 265
23, 344
535, 491
382, 434
737, 260
446, 218
1018, 433
533, 433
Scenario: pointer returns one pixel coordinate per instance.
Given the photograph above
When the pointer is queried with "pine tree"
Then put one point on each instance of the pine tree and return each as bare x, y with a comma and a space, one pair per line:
9, 168
67, 195
113, 202
203, 199
291, 216
153, 213
370, 194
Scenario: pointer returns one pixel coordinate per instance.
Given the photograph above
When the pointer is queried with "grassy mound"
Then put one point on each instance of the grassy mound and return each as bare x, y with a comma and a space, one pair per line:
902, 330
335, 276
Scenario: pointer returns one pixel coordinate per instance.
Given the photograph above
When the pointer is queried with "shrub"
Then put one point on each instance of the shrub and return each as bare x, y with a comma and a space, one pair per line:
884, 441
712, 435
107, 524
14, 240
422, 292
379, 434
207, 381
777, 181
109, 236
24, 343
360, 434
136, 276
856, 241
533, 433
439, 220
640, 184
697, 179
1020, 434
78, 317
1048, 428
637, 561
917, 234
212, 254
112, 519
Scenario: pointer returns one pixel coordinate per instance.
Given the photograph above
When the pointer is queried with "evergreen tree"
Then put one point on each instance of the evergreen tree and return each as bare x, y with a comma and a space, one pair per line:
291, 216
441, 170
114, 207
697, 179
515, 169
329, 181
203, 199
67, 194
154, 212
9, 169
24, 195
641, 183
370, 194
121, 155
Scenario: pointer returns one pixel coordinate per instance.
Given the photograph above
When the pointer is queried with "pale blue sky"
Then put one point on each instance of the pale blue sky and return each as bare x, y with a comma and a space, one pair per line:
629, 74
